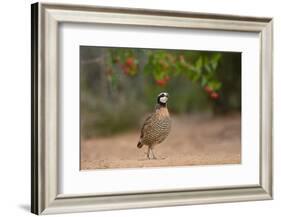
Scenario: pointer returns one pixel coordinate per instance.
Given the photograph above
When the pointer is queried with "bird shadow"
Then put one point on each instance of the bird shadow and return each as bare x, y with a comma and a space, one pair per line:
153, 159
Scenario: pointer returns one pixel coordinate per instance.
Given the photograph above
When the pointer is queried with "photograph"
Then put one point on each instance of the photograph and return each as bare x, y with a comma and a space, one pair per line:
136, 108
143, 107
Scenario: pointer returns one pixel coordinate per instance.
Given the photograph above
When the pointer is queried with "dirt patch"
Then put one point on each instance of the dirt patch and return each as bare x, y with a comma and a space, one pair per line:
194, 140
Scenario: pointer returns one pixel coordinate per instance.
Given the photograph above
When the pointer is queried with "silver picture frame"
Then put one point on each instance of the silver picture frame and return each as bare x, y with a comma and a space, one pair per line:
45, 20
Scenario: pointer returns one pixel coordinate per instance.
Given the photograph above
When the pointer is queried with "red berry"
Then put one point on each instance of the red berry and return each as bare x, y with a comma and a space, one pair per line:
214, 95
208, 89
129, 61
161, 82
167, 78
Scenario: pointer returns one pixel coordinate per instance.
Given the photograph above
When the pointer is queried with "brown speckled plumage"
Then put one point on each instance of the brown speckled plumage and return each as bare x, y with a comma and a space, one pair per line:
156, 127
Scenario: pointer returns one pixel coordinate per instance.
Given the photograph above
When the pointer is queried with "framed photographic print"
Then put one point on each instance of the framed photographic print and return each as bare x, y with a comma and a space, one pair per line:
140, 108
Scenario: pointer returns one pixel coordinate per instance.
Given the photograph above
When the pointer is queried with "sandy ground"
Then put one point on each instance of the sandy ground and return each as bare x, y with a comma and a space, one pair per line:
194, 140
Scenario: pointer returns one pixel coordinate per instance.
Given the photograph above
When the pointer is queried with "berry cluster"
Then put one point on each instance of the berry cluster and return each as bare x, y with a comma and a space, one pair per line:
129, 66
162, 82
213, 94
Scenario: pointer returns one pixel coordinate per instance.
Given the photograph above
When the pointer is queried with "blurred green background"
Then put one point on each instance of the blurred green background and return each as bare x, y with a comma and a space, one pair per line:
119, 86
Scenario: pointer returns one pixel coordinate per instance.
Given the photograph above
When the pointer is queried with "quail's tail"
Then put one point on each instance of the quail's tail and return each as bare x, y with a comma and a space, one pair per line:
139, 145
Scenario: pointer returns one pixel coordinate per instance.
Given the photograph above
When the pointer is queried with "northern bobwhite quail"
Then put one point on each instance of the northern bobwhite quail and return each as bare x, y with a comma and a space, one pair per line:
156, 127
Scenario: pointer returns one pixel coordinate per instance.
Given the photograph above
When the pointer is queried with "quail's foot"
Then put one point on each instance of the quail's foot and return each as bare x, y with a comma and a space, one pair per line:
162, 157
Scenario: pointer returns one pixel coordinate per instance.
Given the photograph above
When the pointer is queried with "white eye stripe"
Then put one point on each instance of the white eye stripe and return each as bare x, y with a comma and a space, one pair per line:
163, 94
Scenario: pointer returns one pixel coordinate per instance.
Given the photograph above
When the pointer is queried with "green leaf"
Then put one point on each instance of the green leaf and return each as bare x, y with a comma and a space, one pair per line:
196, 77
215, 59
204, 81
199, 63
215, 85
208, 69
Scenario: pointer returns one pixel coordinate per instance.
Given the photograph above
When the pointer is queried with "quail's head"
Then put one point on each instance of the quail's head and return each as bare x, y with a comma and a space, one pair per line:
162, 98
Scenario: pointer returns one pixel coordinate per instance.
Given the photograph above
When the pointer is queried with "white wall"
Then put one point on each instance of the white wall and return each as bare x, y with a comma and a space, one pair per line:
15, 106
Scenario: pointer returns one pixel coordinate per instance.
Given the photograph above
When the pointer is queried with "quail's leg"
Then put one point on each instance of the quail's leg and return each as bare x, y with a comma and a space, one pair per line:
153, 156
148, 152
